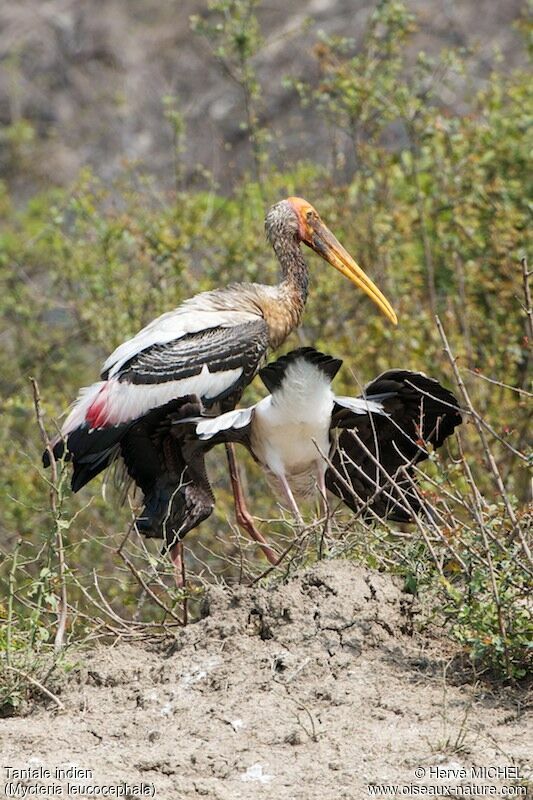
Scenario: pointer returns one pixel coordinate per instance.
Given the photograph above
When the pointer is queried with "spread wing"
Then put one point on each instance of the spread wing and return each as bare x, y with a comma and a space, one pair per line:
173, 478
406, 412
202, 433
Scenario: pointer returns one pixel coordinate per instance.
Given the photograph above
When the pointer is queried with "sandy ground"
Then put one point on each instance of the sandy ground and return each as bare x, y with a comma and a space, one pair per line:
313, 689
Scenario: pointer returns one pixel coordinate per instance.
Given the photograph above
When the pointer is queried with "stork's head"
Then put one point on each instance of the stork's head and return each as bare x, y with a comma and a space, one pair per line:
295, 219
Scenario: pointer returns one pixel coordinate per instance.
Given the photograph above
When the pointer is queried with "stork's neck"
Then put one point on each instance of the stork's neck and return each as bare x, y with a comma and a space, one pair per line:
291, 291
294, 271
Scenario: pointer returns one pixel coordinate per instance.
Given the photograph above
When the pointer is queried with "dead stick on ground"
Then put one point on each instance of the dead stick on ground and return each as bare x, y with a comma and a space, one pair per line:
39, 685
54, 494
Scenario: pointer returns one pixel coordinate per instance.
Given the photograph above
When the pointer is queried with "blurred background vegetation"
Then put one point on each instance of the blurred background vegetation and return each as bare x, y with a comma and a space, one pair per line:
125, 192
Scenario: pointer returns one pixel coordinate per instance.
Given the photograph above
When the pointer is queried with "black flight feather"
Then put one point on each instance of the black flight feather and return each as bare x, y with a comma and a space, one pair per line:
420, 411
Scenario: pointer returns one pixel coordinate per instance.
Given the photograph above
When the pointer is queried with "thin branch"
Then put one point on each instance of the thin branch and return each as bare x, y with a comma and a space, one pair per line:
135, 572
491, 462
477, 374
56, 513
528, 308
39, 685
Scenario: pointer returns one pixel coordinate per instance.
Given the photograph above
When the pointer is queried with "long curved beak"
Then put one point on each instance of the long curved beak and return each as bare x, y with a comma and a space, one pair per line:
326, 245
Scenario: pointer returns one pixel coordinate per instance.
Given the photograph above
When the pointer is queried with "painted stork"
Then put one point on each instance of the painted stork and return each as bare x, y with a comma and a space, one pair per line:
361, 449
204, 351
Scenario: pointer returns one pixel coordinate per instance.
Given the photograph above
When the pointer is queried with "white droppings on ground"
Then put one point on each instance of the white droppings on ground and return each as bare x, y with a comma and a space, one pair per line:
255, 773
200, 673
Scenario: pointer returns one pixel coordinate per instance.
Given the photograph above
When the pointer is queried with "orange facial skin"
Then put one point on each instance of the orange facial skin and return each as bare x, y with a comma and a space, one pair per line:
316, 235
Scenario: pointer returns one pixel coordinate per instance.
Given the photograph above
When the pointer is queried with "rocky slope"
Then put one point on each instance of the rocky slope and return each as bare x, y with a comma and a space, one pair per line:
90, 75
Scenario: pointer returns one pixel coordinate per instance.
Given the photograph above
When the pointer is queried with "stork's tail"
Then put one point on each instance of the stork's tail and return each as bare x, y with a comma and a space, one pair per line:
274, 373
90, 451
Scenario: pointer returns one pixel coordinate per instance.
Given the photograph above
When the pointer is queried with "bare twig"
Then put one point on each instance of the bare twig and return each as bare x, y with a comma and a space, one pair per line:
39, 685
528, 308
135, 572
185, 601
9, 627
491, 462
477, 374
56, 513
463, 300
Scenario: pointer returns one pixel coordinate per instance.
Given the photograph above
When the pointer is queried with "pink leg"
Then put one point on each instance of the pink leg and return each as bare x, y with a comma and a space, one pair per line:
243, 516
176, 556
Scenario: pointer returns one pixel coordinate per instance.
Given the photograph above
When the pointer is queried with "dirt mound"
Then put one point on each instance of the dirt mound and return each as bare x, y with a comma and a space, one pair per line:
310, 689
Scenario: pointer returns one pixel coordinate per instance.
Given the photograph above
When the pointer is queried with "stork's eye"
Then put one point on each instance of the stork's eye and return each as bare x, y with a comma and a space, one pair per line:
311, 215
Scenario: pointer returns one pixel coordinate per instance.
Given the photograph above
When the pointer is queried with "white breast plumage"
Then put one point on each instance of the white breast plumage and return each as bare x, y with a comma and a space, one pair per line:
291, 426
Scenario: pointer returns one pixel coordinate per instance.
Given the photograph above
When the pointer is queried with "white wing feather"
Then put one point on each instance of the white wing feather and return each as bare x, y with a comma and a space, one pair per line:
361, 405
122, 401
237, 419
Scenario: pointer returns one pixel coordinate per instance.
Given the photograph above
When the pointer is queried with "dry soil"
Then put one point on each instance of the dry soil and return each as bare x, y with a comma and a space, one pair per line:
312, 689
